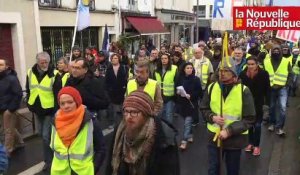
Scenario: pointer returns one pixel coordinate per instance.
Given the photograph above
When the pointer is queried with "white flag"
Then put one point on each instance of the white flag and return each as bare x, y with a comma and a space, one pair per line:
83, 16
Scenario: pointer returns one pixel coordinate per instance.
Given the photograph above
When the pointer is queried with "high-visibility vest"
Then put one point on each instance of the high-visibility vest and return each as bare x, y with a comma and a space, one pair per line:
149, 88
280, 76
78, 157
290, 58
231, 107
296, 69
42, 89
248, 55
167, 81
204, 70
65, 78
188, 53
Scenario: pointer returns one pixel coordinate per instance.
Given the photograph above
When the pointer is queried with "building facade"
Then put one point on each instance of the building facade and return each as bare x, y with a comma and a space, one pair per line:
178, 18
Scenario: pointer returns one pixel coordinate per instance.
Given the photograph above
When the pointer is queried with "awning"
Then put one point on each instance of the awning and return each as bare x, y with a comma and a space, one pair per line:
147, 25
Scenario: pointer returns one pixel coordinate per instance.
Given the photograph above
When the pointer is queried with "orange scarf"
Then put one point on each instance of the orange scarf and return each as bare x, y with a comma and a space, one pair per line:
68, 124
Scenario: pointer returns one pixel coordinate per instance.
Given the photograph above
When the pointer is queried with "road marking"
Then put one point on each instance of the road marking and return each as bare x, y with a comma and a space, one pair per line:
38, 167
33, 170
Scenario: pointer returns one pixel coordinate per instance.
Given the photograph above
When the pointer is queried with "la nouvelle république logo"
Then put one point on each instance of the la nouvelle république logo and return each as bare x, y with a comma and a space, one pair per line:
266, 18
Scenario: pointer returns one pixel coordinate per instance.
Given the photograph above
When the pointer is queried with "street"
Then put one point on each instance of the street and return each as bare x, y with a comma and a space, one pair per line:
278, 156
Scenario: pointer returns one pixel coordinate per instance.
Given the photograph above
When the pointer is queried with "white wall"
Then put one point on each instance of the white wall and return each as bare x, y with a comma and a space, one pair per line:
68, 4
104, 4
203, 2
180, 5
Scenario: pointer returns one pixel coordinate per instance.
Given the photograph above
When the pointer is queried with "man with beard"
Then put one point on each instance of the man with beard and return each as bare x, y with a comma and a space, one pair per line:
216, 58
228, 121
280, 72
142, 144
10, 99
40, 99
144, 83
254, 49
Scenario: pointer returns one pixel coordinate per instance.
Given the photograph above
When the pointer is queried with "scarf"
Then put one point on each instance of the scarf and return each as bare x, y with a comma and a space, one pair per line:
251, 73
134, 153
68, 124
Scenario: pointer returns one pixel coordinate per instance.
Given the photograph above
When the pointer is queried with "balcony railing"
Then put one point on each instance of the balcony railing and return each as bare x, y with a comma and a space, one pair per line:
50, 3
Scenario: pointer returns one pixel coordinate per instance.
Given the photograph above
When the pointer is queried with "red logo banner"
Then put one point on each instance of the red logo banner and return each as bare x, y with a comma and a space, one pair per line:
266, 18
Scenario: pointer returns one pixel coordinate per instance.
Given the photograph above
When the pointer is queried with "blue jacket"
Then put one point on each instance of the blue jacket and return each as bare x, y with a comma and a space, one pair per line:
10, 91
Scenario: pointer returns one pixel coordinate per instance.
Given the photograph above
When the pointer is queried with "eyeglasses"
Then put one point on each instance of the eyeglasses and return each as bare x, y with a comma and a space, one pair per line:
132, 113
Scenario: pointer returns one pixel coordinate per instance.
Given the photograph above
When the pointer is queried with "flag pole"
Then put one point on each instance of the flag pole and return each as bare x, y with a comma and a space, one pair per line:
75, 29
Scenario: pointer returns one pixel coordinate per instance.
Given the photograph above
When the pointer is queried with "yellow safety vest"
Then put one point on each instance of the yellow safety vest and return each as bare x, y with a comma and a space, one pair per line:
65, 78
167, 81
290, 58
149, 88
78, 157
280, 76
204, 70
248, 55
231, 107
42, 89
296, 68
188, 53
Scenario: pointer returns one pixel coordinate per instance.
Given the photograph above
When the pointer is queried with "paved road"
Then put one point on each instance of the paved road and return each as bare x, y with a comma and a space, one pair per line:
279, 155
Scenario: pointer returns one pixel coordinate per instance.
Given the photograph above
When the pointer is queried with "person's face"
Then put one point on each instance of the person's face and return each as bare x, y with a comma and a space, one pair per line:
296, 52
67, 103
76, 53
134, 119
154, 53
78, 70
142, 53
3, 66
61, 65
198, 53
238, 54
175, 59
233, 45
164, 60
225, 75
188, 70
178, 49
252, 45
88, 51
285, 51
143, 46
142, 74
43, 64
163, 50
252, 65
201, 47
115, 60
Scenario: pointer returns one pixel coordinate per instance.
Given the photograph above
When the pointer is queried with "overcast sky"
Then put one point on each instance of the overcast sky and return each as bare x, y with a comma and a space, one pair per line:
286, 2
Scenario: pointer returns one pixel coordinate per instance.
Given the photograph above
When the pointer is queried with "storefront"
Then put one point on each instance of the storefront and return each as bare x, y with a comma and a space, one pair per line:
180, 24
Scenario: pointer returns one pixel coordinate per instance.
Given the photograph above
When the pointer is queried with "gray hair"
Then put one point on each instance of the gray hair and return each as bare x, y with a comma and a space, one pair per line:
64, 59
42, 55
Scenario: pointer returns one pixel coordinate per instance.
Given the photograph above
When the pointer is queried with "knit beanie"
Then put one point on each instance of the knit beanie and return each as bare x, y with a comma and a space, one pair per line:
141, 101
229, 65
72, 92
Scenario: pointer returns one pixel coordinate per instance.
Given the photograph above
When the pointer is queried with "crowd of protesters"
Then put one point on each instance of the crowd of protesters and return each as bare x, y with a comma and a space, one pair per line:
141, 96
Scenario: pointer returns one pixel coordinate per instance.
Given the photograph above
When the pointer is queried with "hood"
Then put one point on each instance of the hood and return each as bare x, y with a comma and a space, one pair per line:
8, 71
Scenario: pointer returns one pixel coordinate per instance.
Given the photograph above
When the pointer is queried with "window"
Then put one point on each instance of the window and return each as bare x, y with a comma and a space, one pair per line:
50, 3
201, 11
57, 41
211, 10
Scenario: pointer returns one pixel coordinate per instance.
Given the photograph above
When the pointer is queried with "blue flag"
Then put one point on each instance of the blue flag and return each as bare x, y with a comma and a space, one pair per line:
105, 44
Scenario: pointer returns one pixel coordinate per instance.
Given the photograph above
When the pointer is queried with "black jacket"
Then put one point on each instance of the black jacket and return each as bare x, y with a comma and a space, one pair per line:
36, 107
164, 157
10, 91
260, 89
92, 91
192, 86
98, 140
116, 85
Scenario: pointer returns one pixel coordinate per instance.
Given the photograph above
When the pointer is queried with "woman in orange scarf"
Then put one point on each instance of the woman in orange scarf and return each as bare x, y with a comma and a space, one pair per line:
76, 138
